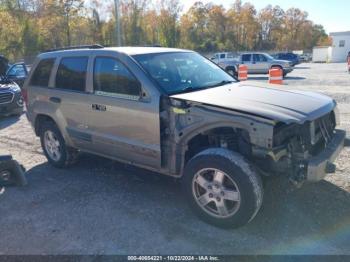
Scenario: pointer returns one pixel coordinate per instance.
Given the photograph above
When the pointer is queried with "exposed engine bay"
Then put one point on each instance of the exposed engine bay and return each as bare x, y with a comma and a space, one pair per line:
275, 148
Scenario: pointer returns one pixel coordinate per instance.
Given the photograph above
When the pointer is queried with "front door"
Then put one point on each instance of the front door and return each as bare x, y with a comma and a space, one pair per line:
261, 64
122, 123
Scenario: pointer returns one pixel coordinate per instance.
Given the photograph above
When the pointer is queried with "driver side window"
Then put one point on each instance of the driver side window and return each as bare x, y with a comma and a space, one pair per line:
112, 78
260, 58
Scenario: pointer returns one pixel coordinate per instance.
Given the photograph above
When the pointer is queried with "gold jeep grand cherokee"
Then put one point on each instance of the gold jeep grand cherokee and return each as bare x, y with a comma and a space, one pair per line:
175, 112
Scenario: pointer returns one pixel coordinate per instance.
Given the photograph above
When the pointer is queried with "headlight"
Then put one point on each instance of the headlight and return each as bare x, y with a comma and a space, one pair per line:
15, 88
20, 102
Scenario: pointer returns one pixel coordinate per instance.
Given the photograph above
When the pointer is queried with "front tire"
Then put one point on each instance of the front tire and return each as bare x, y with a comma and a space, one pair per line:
54, 146
232, 71
222, 188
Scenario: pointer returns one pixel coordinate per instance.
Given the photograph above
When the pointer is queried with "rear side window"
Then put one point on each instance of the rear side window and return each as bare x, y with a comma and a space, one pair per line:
41, 75
71, 73
111, 77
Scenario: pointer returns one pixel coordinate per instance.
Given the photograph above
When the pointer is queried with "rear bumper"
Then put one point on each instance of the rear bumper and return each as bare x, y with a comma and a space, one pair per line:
318, 165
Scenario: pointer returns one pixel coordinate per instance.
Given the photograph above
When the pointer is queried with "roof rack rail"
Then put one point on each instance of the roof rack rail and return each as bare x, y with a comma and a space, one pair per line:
95, 46
152, 45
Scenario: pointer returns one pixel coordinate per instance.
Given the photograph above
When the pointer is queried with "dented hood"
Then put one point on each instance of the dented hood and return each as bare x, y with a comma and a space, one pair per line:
274, 103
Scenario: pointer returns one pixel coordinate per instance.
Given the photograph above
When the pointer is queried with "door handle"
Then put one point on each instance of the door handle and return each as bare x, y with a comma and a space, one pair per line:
97, 107
55, 100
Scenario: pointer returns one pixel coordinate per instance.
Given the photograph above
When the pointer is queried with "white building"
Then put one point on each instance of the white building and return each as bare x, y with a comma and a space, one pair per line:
340, 47
336, 53
322, 54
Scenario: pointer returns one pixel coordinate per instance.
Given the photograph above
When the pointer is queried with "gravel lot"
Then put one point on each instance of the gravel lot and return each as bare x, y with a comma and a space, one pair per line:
102, 207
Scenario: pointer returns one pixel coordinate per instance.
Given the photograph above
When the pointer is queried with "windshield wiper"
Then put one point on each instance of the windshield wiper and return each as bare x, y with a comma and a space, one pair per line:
222, 83
194, 88
189, 89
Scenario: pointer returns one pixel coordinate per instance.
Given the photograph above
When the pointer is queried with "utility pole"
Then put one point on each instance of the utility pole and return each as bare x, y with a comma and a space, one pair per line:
117, 22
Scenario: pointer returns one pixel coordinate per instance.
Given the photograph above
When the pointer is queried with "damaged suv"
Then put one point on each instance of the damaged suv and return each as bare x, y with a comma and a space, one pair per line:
175, 112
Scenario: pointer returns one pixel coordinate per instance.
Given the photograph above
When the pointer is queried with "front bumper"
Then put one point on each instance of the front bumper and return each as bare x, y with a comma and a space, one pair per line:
15, 107
288, 69
318, 165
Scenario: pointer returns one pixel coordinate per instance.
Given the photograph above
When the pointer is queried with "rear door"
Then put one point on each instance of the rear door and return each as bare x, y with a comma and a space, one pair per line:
123, 116
38, 89
71, 100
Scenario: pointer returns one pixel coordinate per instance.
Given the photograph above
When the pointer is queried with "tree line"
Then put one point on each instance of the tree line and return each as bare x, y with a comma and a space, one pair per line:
28, 27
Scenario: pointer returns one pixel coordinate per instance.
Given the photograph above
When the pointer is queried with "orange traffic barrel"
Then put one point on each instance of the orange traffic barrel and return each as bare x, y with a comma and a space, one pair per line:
242, 72
276, 76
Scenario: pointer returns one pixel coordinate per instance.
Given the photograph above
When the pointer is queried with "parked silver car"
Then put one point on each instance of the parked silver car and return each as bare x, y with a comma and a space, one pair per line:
175, 112
257, 63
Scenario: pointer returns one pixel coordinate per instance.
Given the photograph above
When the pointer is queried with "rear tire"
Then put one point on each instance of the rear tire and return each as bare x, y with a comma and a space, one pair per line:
231, 203
54, 146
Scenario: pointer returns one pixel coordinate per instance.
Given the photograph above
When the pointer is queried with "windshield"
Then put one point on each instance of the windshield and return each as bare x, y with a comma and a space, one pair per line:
183, 71
269, 56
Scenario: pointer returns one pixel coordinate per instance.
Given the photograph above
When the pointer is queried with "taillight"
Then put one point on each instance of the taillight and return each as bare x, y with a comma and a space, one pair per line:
25, 96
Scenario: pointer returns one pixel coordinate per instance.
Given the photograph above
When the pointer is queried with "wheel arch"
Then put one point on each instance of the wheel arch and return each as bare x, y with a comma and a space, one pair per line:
190, 144
39, 120
276, 65
231, 67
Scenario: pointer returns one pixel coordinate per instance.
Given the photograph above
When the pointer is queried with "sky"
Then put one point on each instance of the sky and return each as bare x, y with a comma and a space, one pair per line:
334, 15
